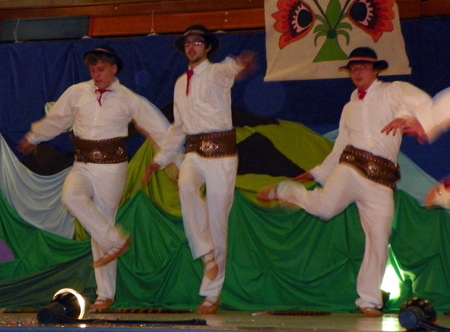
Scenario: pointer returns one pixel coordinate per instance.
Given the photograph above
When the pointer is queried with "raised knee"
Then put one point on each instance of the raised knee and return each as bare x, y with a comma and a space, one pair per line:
70, 199
325, 215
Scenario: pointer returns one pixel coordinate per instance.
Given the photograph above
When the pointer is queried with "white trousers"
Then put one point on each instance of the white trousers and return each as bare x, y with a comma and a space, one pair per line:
92, 193
375, 204
205, 219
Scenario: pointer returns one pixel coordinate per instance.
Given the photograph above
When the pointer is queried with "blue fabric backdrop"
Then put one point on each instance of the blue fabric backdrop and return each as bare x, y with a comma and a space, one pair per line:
36, 73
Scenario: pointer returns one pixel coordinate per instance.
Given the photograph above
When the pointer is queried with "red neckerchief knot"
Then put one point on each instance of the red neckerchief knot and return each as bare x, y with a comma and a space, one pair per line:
361, 94
189, 74
100, 93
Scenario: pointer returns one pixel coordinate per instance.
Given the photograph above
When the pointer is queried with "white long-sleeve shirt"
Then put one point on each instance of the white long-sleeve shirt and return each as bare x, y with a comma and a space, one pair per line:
207, 107
78, 107
362, 121
436, 121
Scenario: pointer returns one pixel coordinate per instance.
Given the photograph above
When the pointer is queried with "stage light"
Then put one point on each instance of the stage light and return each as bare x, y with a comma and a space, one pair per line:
391, 282
66, 307
418, 313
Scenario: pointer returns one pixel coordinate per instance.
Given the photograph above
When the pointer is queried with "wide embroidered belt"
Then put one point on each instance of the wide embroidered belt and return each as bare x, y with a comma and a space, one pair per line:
213, 145
105, 151
373, 167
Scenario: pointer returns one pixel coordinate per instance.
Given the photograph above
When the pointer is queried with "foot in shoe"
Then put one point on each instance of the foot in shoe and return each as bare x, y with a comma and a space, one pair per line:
112, 255
209, 307
371, 312
210, 266
268, 193
101, 304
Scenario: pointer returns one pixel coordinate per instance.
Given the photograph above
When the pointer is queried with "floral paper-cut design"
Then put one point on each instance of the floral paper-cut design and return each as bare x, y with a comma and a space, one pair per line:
295, 19
372, 16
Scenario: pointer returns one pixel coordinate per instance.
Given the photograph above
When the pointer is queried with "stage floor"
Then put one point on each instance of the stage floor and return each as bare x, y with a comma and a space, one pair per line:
221, 321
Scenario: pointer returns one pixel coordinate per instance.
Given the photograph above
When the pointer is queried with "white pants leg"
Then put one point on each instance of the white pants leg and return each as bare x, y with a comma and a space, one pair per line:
92, 193
377, 214
206, 220
326, 202
375, 204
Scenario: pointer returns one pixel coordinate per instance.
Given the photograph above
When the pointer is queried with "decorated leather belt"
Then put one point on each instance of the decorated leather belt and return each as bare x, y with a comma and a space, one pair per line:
374, 168
105, 151
213, 145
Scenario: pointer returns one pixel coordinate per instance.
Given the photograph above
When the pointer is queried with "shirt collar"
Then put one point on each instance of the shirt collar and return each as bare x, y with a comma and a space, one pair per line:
201, 66
372, 86
111, 87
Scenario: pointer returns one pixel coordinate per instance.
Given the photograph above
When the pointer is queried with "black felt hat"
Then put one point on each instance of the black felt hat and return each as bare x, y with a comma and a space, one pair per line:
108, 52
210, 38
365, 55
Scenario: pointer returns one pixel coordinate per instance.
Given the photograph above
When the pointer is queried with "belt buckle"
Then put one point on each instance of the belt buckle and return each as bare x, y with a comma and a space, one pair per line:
208, 147
373, 169
96, 155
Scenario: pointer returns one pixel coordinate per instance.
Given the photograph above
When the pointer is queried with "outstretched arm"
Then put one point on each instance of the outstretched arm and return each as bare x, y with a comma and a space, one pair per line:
247, 60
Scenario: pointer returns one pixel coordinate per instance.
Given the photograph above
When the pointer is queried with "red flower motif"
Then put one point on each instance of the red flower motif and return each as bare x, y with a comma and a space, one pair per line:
372, 16
294, 20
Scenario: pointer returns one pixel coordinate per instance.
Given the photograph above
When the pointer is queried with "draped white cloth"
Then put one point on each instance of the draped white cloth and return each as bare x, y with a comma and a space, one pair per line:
36, 198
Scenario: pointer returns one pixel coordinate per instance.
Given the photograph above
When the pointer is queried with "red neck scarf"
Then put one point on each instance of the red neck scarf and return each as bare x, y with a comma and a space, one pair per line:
189, 74
361, 94
100, 93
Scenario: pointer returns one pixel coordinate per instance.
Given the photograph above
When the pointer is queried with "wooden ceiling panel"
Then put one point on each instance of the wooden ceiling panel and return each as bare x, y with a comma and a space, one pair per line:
108, 8
111, 18
435, 7
409, 8
173, 23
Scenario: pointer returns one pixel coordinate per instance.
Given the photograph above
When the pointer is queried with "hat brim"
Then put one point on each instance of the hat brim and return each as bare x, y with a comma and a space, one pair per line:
210, 38
377, 65
98, 51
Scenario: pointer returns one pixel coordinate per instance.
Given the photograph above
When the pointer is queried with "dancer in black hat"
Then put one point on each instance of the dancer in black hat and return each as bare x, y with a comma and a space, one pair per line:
99, 111
362, 168
202, 112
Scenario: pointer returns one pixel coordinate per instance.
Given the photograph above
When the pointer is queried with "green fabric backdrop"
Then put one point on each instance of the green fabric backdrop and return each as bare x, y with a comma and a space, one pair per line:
280, 258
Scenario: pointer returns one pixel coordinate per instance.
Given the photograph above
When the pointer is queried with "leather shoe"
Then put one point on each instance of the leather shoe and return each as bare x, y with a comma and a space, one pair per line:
371, 312
109, 257
101, 304
207, 307
268, 193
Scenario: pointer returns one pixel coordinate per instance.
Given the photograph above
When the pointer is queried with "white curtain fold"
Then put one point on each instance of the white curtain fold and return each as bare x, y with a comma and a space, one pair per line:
36, 198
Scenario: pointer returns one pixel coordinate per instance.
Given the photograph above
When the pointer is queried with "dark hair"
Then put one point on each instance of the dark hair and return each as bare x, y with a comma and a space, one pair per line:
210, 39
104, 54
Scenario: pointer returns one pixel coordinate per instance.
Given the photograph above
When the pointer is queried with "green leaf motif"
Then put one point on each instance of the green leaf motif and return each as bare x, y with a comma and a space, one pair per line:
344, 26
331, 28
345, 34
334, 11
318, 35
330, 51
321, 27
321, 19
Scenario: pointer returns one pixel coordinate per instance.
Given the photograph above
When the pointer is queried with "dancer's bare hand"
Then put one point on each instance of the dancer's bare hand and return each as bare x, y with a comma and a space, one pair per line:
25, 147
246, 59
406, 126
149, 173
395, 126
305, 177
